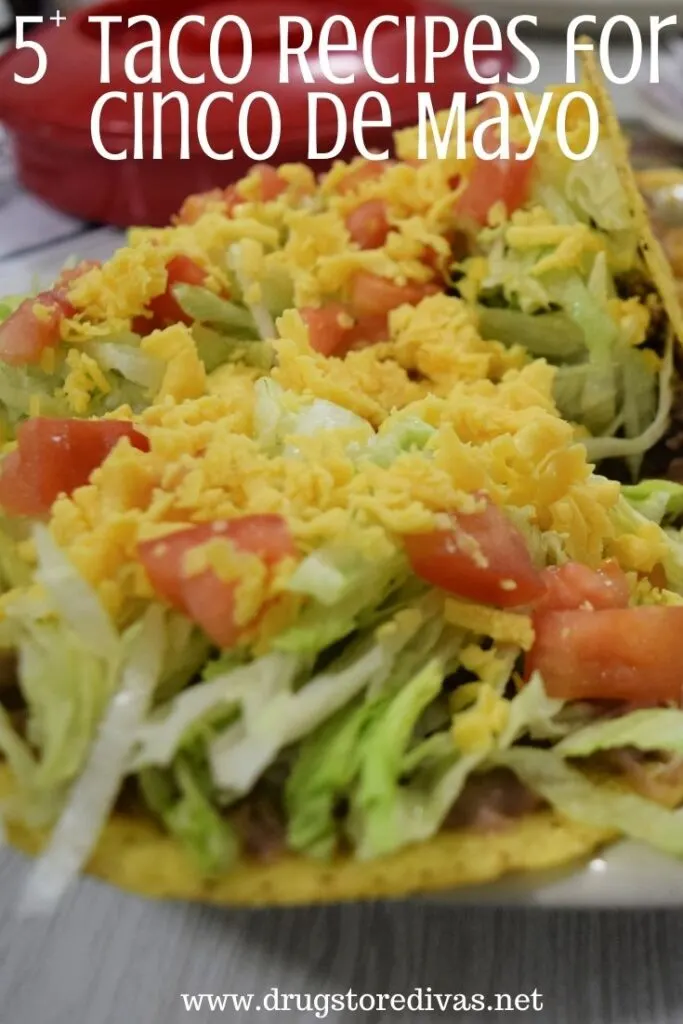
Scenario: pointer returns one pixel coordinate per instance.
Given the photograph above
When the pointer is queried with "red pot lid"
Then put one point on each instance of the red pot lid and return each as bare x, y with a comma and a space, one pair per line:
61, 104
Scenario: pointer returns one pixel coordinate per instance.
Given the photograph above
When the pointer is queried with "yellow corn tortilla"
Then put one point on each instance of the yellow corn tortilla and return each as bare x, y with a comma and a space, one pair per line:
136, 855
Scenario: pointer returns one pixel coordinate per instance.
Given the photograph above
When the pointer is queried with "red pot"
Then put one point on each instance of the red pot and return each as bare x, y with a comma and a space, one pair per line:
50, 121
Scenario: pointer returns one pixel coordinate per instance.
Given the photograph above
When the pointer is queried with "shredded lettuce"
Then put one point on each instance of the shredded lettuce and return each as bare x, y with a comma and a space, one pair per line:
93, 794
624, 447
593, 188
277, 290
629, 520
215, 349
271, 419
186, 653
208, 308
9, 303
18, 384
277, 425
375, 804
244, 690
414, 811
14, 571
552, 336
574, 795
261, 315
73, 598
648, 729
331, 574
17, 754
126, 358
587, 190
240, 755
398, 434
181, 797
530, 710
321, 623
325, 767
321, 416
66, 688
657, 500
552, 199
600, 332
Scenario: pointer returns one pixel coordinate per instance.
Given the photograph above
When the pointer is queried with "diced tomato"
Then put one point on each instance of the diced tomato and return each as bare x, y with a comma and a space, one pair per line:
372, 295
195, 206
60, 289
165, 308
71, 274
365, 172
368, 224
575, 586
231, 199
210, 602
368, 330
55, 457
492, 181
35, 324
272, 185
327, 332
432, 259
482, 558
623, 654
33, 327
205, 598
181, 269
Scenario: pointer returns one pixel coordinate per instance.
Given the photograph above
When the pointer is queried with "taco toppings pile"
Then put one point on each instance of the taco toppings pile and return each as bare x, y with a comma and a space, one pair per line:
331, 562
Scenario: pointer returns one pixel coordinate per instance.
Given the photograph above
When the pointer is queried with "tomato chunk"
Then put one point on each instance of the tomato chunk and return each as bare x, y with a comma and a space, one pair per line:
195, 206
165, 308
624, 654
272, 185
327, 331
372, 295
205, 598
60, 290
368, 224
492, 181
33, 327
368, 330
482, 558
67, 277
575, 586
55, 457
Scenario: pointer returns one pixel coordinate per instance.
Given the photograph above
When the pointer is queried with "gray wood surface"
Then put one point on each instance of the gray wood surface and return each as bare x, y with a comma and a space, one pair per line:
109, 958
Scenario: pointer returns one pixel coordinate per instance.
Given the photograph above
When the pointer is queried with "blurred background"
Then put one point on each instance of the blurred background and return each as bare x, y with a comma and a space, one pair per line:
649, 112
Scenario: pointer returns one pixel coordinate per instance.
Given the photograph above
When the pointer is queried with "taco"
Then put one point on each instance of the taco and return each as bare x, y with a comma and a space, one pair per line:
363, 619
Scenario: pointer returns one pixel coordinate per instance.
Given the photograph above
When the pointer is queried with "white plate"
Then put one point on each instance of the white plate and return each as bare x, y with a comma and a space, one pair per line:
627, 875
